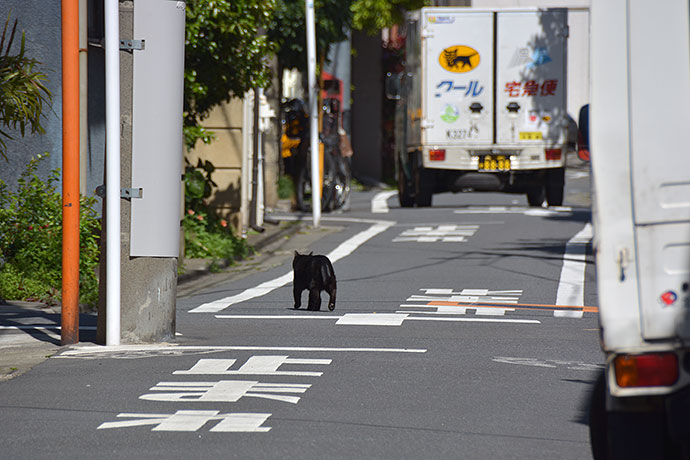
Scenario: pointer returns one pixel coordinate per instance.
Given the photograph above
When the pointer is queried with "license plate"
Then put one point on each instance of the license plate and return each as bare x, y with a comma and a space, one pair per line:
492, 163
531, 136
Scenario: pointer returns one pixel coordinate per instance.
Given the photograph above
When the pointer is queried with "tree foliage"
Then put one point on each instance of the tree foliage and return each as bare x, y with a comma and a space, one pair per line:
225, 55
288, 30
229, 41
374, 15
22, 89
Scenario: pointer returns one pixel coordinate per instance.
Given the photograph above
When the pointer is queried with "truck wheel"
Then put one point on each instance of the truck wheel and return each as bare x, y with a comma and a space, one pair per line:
424, 186
554, 195
598, 424
555, 183
535, 196
404, 193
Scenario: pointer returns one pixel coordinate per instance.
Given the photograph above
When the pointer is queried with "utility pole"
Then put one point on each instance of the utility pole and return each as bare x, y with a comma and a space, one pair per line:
112, 168
70, 172
313, 115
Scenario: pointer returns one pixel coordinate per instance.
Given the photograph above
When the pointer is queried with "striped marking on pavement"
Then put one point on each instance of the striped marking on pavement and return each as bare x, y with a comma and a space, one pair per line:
377, 319
459, 308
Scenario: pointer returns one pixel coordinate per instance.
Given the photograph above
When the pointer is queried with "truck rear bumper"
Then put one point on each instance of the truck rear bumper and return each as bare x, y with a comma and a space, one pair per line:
520, 157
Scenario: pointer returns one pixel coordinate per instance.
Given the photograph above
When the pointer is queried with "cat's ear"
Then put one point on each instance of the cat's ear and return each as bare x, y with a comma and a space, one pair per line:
297, 254
311, 253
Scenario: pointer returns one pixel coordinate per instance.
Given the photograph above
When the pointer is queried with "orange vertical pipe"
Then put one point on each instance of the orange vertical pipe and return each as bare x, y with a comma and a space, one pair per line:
70, 172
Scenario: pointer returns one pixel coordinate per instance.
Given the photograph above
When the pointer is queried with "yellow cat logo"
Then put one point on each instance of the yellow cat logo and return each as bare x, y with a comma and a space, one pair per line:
459, 59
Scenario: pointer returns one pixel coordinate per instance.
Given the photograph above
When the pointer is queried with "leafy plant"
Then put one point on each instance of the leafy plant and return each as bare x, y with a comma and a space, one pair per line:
286, 188
31, 243
198, 183
209, 239
22, 89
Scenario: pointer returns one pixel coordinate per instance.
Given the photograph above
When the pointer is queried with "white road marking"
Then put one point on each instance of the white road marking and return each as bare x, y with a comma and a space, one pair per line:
296, 317
378, 319
224, 391
42, 327
146, 351
343, 250
379, 204
576, 174
255, 365
453, 310
382, 319
467, 296
193, 420
479, 320
571, 286
442, 233
577, 314
528, 211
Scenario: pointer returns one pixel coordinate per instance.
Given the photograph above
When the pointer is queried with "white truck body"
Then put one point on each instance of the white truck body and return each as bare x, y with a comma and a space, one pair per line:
488, 88
638, 136
639, 124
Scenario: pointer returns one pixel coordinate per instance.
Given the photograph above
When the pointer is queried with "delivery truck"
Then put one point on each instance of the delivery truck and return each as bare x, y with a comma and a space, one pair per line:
481, 104
639, 139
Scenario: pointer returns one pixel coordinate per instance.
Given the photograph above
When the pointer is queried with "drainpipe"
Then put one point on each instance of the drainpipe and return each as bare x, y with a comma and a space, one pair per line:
70, 172
112, 167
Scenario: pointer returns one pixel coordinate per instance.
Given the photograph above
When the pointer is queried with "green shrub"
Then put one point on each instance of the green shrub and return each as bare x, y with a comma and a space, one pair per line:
31, 240
286, 188
210, 238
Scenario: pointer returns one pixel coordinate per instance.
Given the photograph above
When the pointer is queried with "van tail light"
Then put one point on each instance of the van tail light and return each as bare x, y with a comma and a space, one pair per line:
437, 155
553, 154
648, 370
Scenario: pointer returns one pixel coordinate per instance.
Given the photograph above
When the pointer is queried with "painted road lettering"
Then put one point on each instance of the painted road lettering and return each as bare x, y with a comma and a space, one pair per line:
443, 301
224, 391
441, 233
193, 420
256, 365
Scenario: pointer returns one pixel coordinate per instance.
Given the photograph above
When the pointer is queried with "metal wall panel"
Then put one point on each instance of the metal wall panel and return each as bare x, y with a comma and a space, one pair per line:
157, 127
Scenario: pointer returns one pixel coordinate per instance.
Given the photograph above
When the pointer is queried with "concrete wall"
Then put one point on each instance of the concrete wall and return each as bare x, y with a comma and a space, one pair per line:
226, 121
41, 22
226, 155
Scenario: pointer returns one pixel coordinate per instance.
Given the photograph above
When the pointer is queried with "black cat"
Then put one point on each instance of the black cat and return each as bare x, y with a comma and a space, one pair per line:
452, 59
316, 274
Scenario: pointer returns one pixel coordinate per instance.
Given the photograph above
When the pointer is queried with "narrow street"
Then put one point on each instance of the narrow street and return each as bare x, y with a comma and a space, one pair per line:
465, 330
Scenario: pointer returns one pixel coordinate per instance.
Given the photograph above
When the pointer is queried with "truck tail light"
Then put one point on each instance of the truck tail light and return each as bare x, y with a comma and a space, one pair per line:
648, 370
553, 154
437, 155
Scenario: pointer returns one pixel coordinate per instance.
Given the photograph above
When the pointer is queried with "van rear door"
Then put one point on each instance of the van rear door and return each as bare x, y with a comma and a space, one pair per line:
531, 76
458, 74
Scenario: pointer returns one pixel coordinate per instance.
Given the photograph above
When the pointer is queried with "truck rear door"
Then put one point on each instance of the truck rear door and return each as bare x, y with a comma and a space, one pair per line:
458, 77
660, 164
531, 76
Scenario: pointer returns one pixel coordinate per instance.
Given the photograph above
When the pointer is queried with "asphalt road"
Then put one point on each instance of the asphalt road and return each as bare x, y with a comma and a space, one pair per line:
446, 342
